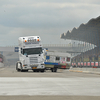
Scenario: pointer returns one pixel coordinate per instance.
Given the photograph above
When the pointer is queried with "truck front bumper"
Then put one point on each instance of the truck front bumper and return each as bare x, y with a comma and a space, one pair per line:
33, 66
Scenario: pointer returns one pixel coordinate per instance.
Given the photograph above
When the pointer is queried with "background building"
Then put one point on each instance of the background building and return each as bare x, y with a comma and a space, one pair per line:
89, 36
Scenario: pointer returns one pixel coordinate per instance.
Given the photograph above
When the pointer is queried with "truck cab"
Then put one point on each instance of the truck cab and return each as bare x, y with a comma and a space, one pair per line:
30, 54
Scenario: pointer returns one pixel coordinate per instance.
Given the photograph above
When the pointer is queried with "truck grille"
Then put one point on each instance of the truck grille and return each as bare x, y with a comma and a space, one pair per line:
33, 60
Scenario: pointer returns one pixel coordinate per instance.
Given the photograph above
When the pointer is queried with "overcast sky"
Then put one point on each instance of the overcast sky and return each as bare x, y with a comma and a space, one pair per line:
45, 18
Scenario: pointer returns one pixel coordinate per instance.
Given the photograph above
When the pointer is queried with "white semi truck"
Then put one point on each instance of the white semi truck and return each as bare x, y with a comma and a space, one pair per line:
30, 54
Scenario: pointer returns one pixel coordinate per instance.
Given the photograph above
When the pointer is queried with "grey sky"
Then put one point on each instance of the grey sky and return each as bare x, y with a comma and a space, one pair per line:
46, 18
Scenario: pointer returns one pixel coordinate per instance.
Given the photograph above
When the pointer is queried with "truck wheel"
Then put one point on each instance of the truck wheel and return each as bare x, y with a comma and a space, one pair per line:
37, 70
34, 70
25, 70
51, 69
42, 70
17, 67
55, 70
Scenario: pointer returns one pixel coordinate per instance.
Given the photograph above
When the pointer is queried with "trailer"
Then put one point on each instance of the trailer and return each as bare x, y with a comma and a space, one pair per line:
57, 60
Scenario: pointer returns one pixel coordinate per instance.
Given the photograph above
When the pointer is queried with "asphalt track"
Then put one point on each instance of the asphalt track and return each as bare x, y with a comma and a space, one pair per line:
63, 85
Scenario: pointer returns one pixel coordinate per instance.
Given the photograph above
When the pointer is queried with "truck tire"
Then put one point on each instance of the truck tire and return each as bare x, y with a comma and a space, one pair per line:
26, 70
34, 70
42, 70
51, 69
55, 70
17, 67
37, 70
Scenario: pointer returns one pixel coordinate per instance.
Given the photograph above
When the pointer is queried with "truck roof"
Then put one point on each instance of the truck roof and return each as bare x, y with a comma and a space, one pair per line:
30, 41
30, 37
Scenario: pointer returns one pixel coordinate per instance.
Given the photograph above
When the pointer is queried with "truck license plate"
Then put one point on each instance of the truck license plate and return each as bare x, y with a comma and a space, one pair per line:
34, 67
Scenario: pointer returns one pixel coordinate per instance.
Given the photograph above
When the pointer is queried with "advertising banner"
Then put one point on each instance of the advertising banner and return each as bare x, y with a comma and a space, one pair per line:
81, 63
84, 63
88, 63
78, 63
92, 63
96, 63
74, 63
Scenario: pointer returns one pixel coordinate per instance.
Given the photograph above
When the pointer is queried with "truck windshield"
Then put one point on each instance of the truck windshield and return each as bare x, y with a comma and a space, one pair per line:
31, 51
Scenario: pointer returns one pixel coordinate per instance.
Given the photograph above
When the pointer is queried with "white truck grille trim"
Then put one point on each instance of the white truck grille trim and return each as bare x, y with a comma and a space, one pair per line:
33, 60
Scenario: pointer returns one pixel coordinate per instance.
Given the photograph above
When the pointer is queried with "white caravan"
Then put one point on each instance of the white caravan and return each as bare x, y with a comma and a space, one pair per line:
30, 54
